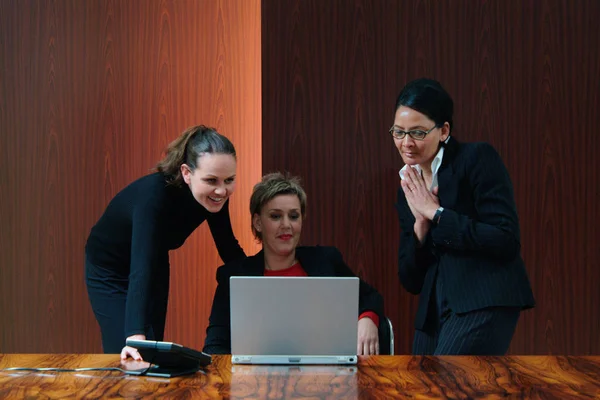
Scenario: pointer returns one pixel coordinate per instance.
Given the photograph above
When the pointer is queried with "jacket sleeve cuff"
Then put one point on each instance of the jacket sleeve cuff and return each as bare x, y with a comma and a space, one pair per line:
135, 332
370, 314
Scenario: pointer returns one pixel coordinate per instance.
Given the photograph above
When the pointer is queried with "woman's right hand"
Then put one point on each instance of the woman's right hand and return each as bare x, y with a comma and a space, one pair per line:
130, 351
422, 224
419, 218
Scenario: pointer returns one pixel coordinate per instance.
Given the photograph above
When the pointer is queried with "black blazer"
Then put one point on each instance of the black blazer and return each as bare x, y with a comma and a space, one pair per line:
475, 248
316, 261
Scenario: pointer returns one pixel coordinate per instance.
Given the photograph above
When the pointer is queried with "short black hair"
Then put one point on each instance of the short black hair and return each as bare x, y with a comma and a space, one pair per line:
428, 97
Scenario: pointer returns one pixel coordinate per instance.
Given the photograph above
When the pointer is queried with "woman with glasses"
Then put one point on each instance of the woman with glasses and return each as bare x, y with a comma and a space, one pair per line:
460, 241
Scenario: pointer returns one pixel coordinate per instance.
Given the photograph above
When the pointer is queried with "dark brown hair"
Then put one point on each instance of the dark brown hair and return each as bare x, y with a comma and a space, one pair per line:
188, 147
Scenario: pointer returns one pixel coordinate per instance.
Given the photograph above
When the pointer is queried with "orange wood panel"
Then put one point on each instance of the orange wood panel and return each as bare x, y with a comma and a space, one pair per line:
90, 94
376, 377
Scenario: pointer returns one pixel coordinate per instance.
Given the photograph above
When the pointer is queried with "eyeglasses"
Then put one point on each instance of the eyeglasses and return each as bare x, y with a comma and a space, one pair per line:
417, 135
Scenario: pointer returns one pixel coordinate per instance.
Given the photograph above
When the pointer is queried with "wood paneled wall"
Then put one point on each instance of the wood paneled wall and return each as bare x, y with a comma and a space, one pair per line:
91, 92
525, 76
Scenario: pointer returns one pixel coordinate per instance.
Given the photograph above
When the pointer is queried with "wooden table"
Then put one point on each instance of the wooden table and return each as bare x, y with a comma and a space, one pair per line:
378, 377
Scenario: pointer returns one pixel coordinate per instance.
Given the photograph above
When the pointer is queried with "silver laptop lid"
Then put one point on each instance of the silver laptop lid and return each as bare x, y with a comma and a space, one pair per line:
294, 320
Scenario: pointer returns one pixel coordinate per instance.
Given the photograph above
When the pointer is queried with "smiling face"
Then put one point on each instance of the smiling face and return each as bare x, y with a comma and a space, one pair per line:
213, 181
420, 152
280, 224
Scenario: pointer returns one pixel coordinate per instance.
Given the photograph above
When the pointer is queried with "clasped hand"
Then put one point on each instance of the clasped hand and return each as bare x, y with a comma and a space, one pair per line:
421, 201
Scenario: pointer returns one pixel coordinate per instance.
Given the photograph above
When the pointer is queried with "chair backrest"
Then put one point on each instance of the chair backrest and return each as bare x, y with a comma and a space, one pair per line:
386, 337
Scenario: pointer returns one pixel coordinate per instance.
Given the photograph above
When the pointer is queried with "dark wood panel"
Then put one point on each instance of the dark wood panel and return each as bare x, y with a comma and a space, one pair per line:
525, 76
90, 94
376, 377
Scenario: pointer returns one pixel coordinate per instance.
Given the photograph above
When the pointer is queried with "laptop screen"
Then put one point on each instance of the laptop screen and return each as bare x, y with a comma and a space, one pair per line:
287, 320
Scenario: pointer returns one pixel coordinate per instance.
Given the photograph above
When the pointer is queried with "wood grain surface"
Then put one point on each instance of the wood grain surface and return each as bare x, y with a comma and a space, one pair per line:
377, 377
525, 77
91, 93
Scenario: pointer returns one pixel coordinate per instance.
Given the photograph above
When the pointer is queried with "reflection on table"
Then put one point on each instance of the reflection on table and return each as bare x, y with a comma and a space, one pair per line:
279, 381
376, 377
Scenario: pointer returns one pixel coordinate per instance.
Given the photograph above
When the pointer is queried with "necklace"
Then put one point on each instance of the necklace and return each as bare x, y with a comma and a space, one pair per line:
268, 267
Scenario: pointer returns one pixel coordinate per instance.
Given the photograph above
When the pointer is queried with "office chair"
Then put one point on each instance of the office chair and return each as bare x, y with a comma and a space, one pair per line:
386, 337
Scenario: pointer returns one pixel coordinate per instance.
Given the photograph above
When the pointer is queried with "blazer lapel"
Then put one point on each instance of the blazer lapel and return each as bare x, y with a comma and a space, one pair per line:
447, 185
309, 259
311, 263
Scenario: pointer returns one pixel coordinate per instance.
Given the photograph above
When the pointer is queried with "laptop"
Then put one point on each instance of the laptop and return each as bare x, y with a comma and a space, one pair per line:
293, 320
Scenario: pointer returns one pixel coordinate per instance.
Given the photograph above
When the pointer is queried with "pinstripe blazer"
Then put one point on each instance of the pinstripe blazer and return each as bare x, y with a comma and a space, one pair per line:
475, 248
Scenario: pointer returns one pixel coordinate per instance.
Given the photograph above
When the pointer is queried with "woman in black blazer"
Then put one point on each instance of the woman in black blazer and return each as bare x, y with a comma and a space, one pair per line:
460, 241
277, 209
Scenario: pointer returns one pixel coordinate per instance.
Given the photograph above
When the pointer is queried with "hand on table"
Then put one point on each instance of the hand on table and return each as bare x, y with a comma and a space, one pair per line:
368, 337
130, 351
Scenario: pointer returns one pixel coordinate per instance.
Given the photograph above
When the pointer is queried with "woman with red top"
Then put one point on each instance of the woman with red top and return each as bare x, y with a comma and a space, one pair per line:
277, 209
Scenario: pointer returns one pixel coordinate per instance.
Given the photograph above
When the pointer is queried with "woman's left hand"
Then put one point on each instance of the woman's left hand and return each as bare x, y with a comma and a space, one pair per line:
417, 195
368, 337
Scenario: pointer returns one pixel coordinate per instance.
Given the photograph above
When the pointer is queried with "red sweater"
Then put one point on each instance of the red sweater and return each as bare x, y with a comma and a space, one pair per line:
297, 270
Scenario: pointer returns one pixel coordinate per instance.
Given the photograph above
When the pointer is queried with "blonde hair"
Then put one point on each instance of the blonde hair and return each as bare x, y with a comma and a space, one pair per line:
271, 186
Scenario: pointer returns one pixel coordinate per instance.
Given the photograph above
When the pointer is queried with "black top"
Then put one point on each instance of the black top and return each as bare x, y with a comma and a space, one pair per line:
475, 248
138, 228
315, 261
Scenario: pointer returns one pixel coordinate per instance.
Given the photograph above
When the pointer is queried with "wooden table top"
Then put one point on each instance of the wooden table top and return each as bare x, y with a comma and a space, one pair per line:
375, 377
